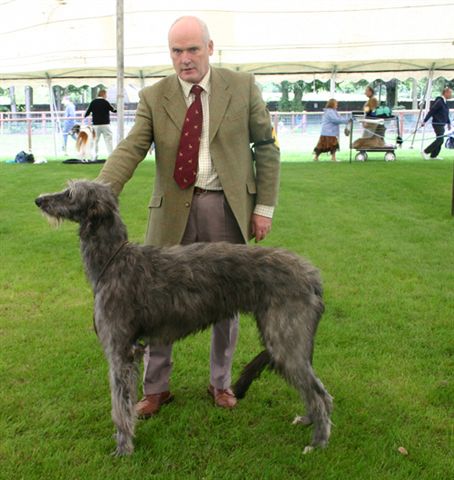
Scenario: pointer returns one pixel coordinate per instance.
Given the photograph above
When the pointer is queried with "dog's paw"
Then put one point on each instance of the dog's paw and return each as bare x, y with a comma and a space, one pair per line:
306, 420
122, 452
125, 445
308, 449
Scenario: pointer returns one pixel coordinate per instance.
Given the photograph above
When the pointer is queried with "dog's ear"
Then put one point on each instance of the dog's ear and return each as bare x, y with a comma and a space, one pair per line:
104, 203
71, 185
100, 210
92, 200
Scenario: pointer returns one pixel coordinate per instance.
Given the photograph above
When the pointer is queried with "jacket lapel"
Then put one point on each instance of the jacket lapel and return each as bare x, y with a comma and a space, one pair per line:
219, 100
174, 104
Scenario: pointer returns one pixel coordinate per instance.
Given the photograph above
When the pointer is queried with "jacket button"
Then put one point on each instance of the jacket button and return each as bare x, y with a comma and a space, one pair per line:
187, 204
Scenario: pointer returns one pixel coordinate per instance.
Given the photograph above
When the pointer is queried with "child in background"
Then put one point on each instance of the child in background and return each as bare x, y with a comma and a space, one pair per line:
329, 136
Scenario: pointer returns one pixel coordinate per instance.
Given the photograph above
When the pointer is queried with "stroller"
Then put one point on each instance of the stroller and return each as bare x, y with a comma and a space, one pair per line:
380, 133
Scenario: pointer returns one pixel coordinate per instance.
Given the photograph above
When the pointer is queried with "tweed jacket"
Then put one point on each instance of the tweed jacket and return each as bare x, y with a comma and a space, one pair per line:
238, 117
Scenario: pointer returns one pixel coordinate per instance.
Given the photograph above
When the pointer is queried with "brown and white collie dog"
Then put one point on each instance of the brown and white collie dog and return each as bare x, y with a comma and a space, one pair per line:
85, 141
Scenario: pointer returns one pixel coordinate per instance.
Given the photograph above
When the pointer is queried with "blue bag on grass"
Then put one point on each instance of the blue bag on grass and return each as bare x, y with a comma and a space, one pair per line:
23, 157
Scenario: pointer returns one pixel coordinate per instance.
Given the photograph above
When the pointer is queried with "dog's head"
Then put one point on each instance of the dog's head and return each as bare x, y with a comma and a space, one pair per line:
75, 129
82, 202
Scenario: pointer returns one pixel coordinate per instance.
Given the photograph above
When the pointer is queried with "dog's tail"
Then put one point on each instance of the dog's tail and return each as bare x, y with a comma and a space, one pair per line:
250, 372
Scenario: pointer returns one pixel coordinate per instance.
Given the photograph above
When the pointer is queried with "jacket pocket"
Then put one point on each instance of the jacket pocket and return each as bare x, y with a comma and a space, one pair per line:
155, 202
251, 188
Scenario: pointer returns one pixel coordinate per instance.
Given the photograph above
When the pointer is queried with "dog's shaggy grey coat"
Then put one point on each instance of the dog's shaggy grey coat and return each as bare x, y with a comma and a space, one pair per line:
164, 294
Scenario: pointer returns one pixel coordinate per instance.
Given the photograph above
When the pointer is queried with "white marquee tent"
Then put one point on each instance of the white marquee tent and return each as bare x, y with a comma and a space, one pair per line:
62, 42
74, 41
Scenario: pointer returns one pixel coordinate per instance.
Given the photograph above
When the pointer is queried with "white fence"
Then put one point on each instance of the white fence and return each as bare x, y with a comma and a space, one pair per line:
40, 132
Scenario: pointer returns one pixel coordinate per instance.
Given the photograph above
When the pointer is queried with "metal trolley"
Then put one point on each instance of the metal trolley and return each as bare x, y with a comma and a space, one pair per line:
374, 134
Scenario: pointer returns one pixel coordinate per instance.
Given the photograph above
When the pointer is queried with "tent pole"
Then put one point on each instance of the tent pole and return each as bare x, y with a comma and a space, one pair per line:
52, 112
332, 83
426, 101
142, 80
423, 105
120, 71
27, 91
429, 89
414, 94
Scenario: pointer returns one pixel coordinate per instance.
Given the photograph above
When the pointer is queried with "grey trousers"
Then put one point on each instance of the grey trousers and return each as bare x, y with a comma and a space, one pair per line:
210, 220
106, 132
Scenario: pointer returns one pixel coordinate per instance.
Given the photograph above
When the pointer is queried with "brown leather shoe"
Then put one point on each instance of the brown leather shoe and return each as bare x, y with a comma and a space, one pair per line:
224, 398
150, 404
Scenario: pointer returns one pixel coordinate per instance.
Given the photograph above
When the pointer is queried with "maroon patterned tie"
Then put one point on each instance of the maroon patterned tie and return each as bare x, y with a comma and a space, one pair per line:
188, 152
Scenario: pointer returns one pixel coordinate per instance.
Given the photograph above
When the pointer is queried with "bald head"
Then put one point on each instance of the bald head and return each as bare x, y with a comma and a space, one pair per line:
190, 48
193, 23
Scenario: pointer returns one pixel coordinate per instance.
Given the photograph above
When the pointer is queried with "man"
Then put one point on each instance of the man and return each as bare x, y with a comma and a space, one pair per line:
100, 109
232, 196
439, 112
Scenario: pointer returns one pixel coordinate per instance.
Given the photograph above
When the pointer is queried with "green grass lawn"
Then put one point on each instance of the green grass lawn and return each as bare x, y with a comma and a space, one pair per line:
382, 235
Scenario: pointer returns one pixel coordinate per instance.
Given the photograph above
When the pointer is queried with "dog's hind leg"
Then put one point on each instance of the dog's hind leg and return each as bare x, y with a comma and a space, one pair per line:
289, 339
319, 404
317, 400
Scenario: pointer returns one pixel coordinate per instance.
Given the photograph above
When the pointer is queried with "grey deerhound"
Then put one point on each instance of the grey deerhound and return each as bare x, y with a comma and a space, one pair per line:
160, 295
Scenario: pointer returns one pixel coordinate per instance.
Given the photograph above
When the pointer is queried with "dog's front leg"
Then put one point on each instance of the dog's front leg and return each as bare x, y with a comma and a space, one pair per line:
123, 375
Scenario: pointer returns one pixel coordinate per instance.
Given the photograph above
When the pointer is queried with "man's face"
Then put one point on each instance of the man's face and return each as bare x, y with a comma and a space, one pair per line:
448, 94
189, 51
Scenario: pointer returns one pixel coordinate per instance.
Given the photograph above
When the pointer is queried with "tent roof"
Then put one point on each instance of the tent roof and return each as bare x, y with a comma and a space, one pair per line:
74, 41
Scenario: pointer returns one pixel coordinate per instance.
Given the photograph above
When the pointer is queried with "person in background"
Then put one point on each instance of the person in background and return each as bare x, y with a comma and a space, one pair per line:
329, 135
372, 103
221, 193
100, 110
439, 112
69, 120
371, 138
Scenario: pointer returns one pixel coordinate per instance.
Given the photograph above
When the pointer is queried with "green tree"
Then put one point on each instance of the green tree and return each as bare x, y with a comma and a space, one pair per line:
298, 88
298, 91
391, 92
284, 103
78, 94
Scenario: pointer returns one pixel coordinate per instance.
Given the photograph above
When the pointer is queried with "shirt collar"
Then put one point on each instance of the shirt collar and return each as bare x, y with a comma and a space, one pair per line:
205, 83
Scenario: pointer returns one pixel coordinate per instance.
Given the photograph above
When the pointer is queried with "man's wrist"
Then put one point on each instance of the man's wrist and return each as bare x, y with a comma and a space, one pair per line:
264, 210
